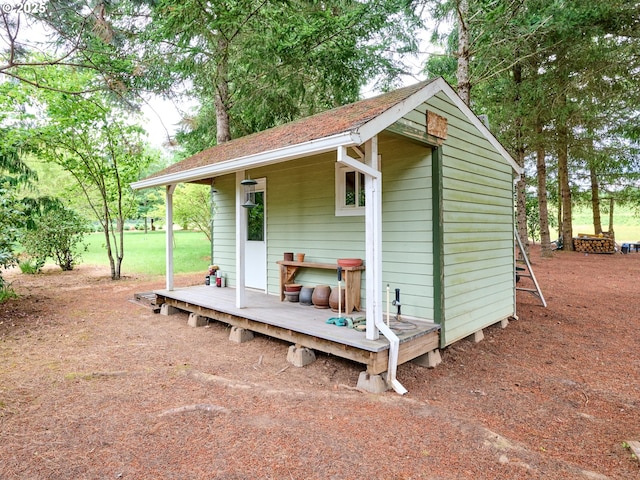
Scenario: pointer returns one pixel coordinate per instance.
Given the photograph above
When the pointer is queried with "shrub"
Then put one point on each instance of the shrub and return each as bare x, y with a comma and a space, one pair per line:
6, 292
11, 219
58, 234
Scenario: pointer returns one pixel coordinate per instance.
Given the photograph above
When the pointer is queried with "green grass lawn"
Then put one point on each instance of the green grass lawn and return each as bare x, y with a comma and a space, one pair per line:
145, 252
626, 223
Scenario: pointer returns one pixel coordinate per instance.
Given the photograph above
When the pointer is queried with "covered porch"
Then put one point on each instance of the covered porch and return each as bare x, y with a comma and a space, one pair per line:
305, 326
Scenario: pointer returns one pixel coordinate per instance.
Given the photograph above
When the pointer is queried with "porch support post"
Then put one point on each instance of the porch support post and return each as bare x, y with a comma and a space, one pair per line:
241, 234
373, 236
169, 236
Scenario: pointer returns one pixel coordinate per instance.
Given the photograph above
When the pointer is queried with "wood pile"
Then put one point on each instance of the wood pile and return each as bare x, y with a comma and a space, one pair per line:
594, 244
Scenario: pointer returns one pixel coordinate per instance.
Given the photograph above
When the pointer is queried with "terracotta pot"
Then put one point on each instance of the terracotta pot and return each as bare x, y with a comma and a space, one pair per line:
320, 297
288, 256
300, 257
306, 295
349, 262
292, 296
333, 300
292, 287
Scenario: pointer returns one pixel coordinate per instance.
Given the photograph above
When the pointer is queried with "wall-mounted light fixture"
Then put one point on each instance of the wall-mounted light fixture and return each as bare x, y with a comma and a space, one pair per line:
249, 186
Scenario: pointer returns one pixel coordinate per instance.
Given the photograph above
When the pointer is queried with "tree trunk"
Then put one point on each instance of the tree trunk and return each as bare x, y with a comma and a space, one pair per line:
559, 216
565, 190
223, 129
120, 255
521, 187
595, 199
611, 232
462, 75
107, 238
543, 208
521, 209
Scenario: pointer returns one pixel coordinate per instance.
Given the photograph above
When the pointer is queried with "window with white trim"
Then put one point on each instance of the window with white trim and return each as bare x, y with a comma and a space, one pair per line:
349, 191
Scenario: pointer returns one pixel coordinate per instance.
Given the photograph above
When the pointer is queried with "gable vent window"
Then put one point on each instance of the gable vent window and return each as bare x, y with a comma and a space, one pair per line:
349, 191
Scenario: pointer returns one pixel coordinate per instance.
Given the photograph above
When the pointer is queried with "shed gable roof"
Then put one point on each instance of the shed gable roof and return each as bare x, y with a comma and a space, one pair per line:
349, 124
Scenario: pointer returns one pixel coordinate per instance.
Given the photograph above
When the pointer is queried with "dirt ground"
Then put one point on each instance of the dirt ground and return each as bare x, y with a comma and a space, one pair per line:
93, 386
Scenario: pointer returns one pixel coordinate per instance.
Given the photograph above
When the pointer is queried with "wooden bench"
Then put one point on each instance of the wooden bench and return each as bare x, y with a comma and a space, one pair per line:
351, 276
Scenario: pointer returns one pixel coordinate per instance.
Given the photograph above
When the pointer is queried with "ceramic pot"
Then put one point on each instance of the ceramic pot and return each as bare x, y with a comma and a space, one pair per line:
333, 300
292, 296
292, 287
306, 295
288, 256
349, 262
320, 297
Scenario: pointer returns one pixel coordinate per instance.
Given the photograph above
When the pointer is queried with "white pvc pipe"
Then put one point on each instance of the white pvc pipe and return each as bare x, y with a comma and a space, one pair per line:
394, 349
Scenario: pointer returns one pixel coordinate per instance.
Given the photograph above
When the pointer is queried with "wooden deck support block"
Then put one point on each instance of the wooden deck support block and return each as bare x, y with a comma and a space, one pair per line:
478, 336
240, 335
166, 309
300, 356
504, 322
430, 359
196, 320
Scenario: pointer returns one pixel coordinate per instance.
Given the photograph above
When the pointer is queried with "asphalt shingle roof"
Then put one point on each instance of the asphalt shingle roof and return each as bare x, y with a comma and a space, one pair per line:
332, 122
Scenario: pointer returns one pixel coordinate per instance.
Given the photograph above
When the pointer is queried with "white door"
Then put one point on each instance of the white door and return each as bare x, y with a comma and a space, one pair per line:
255, 247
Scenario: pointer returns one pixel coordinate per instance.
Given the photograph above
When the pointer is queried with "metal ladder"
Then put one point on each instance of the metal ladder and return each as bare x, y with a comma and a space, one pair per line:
528, 273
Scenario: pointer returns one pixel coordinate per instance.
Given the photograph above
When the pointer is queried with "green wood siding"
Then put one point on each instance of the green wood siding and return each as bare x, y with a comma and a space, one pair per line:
477, 228
301, 219
407, 260
224, 227
473, 224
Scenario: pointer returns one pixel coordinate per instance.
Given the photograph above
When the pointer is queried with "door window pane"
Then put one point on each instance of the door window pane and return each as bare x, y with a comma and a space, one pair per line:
255, 220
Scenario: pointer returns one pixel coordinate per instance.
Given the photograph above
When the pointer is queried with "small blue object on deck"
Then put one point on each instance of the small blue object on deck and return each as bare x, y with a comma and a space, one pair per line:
337, 321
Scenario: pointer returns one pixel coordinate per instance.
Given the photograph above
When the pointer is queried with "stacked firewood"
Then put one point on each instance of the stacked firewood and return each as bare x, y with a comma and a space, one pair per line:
594, 244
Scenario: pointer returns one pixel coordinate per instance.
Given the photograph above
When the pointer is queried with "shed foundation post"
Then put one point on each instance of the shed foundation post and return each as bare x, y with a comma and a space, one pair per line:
196, 320
372, 383
166, 309
300, 356
430, 359
240, 335
478, 336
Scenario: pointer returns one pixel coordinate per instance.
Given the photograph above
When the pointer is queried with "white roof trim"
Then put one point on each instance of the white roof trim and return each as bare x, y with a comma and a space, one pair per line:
473, 118
344, 158
292, 152
386, 119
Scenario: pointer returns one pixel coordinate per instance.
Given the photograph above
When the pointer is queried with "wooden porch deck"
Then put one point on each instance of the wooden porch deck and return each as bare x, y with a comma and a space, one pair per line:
304, 325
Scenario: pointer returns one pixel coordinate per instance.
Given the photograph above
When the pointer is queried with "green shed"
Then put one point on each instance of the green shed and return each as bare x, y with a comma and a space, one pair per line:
412, 182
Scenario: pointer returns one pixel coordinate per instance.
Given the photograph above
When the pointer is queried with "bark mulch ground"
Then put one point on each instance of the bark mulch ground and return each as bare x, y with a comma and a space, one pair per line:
94, 386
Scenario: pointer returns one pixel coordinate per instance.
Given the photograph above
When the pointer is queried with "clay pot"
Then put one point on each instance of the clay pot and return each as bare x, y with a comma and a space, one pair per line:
292, 296
288, 256
333, 300
300, 257
349, 262
320, 297
306, 294
292, 287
